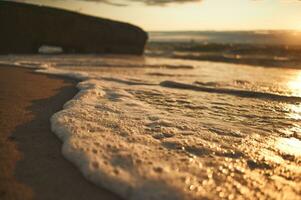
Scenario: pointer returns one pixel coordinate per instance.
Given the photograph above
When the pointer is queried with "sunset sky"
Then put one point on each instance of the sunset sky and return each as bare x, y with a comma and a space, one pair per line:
192, 14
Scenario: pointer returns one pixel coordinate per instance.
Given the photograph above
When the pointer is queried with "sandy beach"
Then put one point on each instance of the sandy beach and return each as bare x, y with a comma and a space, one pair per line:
32, 166
150, 100
142, 136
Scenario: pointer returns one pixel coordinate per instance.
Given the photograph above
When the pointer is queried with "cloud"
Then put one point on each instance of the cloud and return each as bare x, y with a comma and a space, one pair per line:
164, 2
147, 2
110, 2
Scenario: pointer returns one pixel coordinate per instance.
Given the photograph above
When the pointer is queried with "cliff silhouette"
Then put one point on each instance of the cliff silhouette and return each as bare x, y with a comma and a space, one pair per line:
26, 27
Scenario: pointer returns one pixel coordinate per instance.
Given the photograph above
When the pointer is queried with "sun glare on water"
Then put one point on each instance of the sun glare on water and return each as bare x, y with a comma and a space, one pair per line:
295, 84
291, 146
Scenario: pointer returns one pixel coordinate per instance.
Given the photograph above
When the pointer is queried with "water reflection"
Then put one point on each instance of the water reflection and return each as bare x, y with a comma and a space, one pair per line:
294, 111
295, 84
291, 146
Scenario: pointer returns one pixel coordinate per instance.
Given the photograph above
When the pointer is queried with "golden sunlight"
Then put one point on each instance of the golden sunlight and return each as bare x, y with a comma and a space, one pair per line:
291, 146
295, 84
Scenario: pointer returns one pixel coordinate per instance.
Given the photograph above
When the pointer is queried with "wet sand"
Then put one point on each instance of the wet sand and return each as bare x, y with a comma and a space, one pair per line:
32, 166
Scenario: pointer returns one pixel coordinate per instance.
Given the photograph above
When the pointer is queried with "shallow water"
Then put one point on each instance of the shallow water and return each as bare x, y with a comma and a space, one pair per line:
158, 128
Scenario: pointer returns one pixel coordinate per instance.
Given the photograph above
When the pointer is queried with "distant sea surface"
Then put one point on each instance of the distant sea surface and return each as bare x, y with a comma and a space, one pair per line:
203, 115
264, 48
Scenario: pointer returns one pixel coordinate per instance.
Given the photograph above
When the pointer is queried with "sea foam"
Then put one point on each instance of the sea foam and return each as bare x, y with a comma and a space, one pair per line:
144, 137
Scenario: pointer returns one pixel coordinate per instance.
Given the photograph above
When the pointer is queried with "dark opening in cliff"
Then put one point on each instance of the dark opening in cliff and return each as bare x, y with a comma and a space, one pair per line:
47, 49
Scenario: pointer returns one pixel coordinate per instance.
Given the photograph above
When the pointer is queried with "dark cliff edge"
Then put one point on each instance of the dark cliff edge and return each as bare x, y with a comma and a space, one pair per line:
26, 27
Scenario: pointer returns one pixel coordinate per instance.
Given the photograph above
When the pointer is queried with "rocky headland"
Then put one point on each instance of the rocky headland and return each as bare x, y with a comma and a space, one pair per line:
25, 28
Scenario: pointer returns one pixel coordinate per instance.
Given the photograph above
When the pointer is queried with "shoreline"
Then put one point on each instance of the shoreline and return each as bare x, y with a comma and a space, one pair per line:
33, 166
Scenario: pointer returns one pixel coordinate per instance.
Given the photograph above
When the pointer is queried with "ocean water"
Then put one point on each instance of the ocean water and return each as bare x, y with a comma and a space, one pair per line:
257, 48
166, 128
276, 37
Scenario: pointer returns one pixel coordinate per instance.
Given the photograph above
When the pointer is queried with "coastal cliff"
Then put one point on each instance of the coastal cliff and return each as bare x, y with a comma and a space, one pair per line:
26, 27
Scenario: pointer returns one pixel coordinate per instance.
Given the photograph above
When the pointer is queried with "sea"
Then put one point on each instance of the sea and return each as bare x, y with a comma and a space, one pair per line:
201, 115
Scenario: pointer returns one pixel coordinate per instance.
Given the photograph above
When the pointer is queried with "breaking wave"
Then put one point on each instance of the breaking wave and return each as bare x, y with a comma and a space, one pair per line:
142, 136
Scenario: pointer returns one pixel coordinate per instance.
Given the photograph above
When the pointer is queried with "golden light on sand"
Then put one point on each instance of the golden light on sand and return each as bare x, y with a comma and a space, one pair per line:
295, 84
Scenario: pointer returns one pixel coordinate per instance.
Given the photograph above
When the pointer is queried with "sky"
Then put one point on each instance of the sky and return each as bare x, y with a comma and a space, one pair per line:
193, 15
